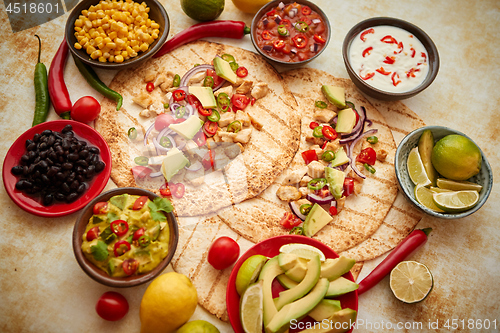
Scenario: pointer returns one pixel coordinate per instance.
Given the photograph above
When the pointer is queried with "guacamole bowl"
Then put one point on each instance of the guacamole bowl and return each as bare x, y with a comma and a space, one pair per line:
118, 250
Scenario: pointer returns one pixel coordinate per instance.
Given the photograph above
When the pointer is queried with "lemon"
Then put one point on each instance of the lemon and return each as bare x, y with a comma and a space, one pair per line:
250, 6
416, 169
168, 302
458, 185
203, 10
251, 308
249, 272
424, 196
411, 281
456, 157
198, 326
456, 201
438, 189
303, 250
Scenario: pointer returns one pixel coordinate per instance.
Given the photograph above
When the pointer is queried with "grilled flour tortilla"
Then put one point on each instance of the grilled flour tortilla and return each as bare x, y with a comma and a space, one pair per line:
273, 142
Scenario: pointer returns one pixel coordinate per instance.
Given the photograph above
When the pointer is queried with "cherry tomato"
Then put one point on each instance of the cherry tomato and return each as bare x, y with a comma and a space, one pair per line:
240, 101
93, 233
300, 41
348, 186
119, 227
86, 109
100, 208
193, 100
179, 95
139, 202
223, 252
130, 266
138, 234
289, 220
121, 247
150, 86
313, 125
210, 127
367, 155
179, 191
242, 71
329, 133
112, 306
163, 121
333, 211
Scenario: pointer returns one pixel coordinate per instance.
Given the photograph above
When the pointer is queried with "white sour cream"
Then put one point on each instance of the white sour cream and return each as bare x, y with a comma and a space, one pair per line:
389, 58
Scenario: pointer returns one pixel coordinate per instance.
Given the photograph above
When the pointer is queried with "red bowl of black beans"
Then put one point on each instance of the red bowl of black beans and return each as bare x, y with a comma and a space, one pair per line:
56, 168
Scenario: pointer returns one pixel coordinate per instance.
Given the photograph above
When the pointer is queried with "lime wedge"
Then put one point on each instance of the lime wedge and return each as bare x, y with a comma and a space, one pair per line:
411, 281
456, 201
424, 196
251, 308
303, 250
456, 185
416, 169
249, 272
438, 189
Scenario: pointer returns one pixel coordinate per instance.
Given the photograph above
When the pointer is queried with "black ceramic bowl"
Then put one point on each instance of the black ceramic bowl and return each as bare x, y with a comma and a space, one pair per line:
157, 13
433, 57
268, 7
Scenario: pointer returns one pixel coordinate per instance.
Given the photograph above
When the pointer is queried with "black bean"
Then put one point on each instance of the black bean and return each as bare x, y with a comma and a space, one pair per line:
82, 163
65, 144
72, 197
48, 199
84, 153
43, 146
67, 128
71, 177
94, 150
60, 176
31, 169
53, 156
25, 159
60, 196
74, 185
67, 166
25, 170
73, 157
99, 166
69, 134
47, 132
36, 160
27, 143
82, 188
36, 137
17, 170
37, 174
43, 165
32, 146
80, 178
43, 154
65, 187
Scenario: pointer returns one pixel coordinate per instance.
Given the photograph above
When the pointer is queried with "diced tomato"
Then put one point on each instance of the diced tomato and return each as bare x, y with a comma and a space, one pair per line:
348, 186
309, 156
141, 171
411, 72
139, 202
367, 155
289, 220
200, 139
93, 233
179, 191
208, 160
240, 101
179, 95
313, 125
130, 266
242, 71
329, 133
324, 192
210, 127
217, 79
100, 208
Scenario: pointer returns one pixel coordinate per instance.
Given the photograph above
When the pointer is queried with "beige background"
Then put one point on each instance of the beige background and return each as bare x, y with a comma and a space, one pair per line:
42, 289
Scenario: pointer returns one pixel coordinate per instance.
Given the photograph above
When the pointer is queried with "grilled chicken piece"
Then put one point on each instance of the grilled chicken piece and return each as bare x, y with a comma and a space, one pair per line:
288, 193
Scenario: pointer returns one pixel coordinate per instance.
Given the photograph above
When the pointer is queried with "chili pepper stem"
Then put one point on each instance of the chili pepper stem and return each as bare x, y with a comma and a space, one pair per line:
426, 231
39, 47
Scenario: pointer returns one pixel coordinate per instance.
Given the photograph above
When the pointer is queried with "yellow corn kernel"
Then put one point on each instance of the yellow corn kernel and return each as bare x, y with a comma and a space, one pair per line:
136, 48
101, 46
100, 30
98, 7
144, 47
100, 14
90, 49
106, 40
78, 29
88, 24
78, 23
118, 59
148, 23
116, 52
83, 40
145, 16
144, 28
134, 42
155, 25
92, 16
78, 37
105, 19
111, 45
105, 26
96, 54
99, 40
92, 42
102, 59
85, 12
124, 54
120, 42
156, 31
153, 37
111, 58
92, 9
78, 46
112, 35
145, 37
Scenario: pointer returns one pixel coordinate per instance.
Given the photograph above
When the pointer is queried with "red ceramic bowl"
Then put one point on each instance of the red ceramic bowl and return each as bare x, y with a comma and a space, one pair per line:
270, 248
32, 204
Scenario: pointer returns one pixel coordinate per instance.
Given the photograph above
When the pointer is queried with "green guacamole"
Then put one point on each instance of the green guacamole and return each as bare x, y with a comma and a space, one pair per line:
128, 241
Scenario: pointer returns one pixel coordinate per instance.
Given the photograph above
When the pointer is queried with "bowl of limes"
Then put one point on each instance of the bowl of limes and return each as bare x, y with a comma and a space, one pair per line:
443, 172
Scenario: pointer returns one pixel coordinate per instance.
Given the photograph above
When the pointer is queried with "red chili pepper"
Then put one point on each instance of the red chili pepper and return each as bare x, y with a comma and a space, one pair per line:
412, 52
271, 13
319, 39
252, 101
411, 243
424, 56
389, 60
300, 41
389, 40
411, 72
242, 71
313, 125
119, 227
367, 51
306, 10
179, 191
329, 133
121, 247
179, 95
333, 211
59, 95
150, 86
382, 71
266, 35
218, 28
279, 44
400, 47
364, 33
393, 77
368, 76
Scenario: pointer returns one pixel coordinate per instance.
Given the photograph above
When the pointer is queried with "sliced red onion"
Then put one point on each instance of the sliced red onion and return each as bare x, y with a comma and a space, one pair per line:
265, 21
350, 149
159, 148
316, 21
358, 129
155, 174
296, 210
314, 198
314, 48
293, 50
193, 71
277, 19
334, 120
181, 145
190, 111
293, 12
341, 167
333, 203
267, 48
194, 167
148, 131
281, 5
163, 132
369, 122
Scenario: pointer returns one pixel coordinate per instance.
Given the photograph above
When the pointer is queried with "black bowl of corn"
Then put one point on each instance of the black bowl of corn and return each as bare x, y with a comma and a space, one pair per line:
112, 34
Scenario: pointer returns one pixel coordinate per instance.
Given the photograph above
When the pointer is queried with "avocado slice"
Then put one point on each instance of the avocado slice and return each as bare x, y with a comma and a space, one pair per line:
346, 119
316, 220
340, 158
224, 70
308, 282
298, 309
119, 200
425, 146
173, 162
287, 260
346, 318
340, 286
325, 309
113, 264
188, 129
298, 271
205, 96
335, 179
286, 282
268, 273
336, 95
332, 269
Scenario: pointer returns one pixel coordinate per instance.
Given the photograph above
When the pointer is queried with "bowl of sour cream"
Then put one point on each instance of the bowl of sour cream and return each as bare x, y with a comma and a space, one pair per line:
389, 58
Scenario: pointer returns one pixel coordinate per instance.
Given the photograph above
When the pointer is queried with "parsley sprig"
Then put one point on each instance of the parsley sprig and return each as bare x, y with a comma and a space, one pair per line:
158, 207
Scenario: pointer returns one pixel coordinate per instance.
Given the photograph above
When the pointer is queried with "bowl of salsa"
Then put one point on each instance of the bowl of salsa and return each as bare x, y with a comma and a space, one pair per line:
290, 33
125, 237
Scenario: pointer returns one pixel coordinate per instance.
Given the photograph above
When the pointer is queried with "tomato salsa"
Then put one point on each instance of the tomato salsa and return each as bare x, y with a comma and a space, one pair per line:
291, 32
127, 235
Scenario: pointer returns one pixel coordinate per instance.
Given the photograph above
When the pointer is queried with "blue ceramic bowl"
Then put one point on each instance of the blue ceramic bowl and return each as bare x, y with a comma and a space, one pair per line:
483, 178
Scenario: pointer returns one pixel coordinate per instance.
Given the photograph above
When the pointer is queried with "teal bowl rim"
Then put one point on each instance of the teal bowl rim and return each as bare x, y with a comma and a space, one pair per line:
404, 146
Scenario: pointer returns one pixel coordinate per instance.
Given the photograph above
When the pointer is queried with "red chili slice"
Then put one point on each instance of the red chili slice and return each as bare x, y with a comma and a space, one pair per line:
121, 247
266, 35
179, 95
367, 51
180, 189
367, 155
313, 125
139, 202
306, 10
200, 139
150, 86
389, 60
242, 71
286, 23
279, 44
319, 39
367, 76
333, 211
204, 112
394, 81
400, 47
119, 227
382, 71
165, 191
413, 52
252, 101
364, 33
130, 266
329, 132
100, 208
210, 127
424, 56
300, 41
389, 40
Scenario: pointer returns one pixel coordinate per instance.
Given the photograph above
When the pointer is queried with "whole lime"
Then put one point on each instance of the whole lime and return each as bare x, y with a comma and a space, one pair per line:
198, 326
203, 10
456, 157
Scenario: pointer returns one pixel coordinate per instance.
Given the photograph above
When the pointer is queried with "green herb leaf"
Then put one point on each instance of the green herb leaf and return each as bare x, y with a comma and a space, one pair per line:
99, 251
159, 205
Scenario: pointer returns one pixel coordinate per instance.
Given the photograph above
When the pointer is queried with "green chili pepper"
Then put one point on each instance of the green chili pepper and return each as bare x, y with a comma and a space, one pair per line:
177, 80
41, 90
317, 132
372, 139
305, 209
328, 156
350, 105
320, 104
234, 127
215, 116
208, 81
181, 111
316, 184
223, 102
297, 231
282, 30
301, 26
196, 65
144, 240
369, 168
132, 133
234, 66
90, 75
166, 105
228, 57
141, 160
165, 142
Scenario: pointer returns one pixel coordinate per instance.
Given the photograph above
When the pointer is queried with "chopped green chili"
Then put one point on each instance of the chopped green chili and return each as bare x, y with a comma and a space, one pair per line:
372, 139
316, 184
222, 101
166, 105
215, 116
141, 160
132, 133
320, 104
165, 142
208, 81
234, 66
305, 209
144, 240
181, 111
234, 127
228, 57
282, 30
301, 26
297, 231
369, 168
328, 156
350, 105
318, 132
177, 80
